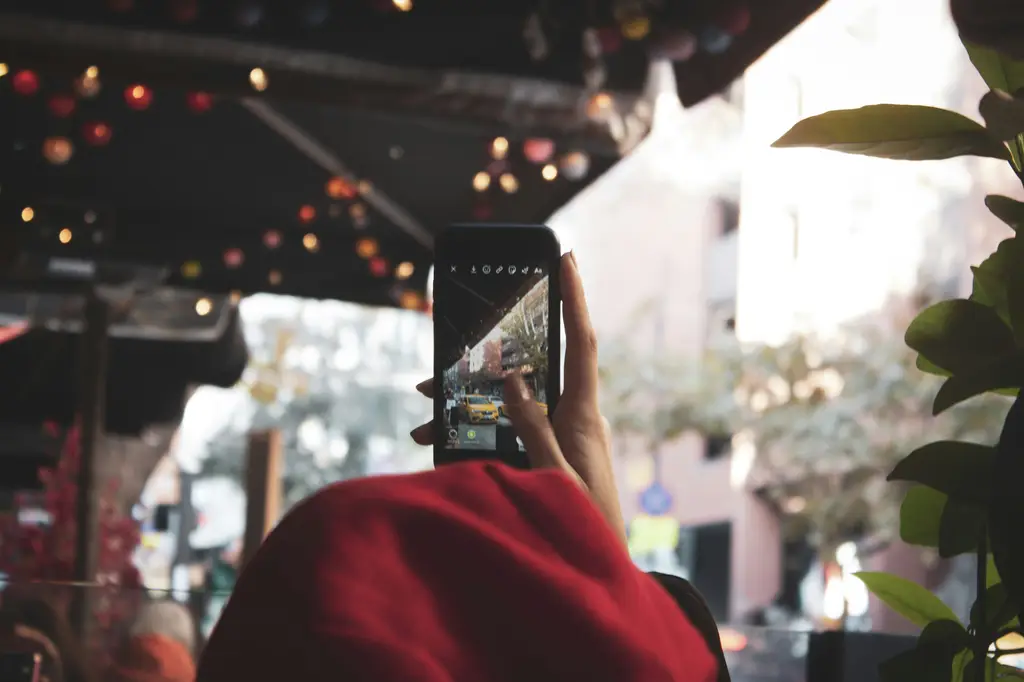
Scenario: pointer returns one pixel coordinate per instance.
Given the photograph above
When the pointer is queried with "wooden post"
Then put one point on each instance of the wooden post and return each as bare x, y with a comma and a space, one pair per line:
262, 489
91, 415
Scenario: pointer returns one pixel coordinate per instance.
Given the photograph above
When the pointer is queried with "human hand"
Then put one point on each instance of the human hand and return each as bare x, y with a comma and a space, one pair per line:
577, 439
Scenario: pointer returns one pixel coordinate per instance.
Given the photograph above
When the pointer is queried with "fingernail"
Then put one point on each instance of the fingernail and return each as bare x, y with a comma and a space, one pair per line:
420, 433
572, 257
424, 385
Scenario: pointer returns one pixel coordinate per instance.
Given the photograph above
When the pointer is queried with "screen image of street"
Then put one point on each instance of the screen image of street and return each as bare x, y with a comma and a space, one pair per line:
475, 415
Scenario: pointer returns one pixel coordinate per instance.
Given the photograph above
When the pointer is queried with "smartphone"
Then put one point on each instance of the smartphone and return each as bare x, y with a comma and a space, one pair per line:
20, 667
497, 310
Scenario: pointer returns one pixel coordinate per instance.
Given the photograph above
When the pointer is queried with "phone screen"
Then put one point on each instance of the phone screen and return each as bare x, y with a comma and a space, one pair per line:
496, 311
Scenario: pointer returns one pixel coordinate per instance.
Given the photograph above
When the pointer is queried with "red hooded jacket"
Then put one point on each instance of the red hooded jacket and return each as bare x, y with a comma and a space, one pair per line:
471, 573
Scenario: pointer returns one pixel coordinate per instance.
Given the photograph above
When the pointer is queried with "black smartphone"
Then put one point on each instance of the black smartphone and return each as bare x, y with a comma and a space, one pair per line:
20, 667
497, 309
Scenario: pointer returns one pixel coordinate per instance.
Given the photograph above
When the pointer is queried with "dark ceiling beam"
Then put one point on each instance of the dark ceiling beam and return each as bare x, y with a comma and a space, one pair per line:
316, 152
222, 66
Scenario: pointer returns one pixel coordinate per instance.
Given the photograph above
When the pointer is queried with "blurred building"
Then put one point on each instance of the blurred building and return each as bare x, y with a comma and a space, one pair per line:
722, 234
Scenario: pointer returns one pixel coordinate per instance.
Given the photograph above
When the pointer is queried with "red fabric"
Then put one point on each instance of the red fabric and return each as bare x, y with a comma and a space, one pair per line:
472, 573
152, 658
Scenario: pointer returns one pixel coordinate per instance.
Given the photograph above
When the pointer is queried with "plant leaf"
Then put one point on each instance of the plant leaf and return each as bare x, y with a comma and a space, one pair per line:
961, 528
895, 131
907, 598
960, 470
999, 610
931, 659
959, 335
991, 572
990, 280
1010, 211
1003, 114
921, 516
1014, 277
1006, 513
1003, 373
999, 73
929, 367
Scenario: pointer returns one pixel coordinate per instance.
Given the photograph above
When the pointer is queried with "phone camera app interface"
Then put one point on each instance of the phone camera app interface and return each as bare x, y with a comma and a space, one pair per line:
495, 322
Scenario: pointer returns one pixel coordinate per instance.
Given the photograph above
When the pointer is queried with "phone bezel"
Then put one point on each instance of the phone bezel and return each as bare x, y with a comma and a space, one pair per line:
461, 243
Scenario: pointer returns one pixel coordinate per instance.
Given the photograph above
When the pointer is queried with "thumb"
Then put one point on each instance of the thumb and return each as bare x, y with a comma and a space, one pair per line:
532, 426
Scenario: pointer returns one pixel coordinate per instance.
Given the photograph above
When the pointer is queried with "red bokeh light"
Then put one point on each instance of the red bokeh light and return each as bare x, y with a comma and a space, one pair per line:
307, 214
482, 212
97, 133
25, 83
184, 11
272, 239
138, 97
199, 102
62, 106
233, 258
610, 40
340, 188
735, 20
379, 267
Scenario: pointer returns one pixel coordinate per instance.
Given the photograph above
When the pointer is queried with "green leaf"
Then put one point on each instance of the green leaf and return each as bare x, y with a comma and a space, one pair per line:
895, 131
1003, 114
959, 335
961, 528
931, 659
1010, 211
907, 598
1014, 277
929, 367
960, 470
921, 516
999, 611
1000, 73
1002, 373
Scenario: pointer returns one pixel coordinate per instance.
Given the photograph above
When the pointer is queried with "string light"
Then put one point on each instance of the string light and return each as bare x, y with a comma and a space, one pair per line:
64, 236
307, 214
365, 187
92, 72
410, 300
404, 270
509, 183
274, 277
3, 69
97, 133
538, 150
88, 86
258, 80
402, 5
235, 297
599, 105
199, 102
191, 269
378, 267
357, 212
25, 83
58, 150
367, 248
340, 188
203, 307
549, 172
233, 258
499, 148
311, 242
62, 105
481, 181
27, 214
271, 239
138, 97
89, 217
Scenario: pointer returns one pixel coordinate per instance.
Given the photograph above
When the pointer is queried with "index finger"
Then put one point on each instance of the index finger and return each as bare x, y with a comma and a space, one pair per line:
581, 372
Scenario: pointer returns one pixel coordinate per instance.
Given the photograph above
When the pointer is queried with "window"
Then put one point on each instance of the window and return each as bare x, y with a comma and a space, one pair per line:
717, 446
729, 216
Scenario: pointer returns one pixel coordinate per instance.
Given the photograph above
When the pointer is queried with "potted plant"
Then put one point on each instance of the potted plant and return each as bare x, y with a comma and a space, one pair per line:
965, 497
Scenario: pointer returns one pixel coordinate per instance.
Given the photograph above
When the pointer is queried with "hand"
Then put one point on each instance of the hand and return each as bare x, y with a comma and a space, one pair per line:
577, 439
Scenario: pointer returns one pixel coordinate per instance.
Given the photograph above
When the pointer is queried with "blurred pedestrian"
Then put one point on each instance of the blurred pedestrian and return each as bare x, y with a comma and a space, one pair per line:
152, 658
168, 618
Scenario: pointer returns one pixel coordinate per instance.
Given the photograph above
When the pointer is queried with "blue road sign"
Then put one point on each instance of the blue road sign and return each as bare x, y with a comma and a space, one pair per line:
655, 500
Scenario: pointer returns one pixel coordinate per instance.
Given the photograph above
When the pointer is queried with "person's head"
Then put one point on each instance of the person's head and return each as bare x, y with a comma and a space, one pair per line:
167, 618
470, 572
152, 658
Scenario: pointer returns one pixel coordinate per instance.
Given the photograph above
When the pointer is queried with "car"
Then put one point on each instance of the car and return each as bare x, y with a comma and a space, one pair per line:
502, 413
479, 409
